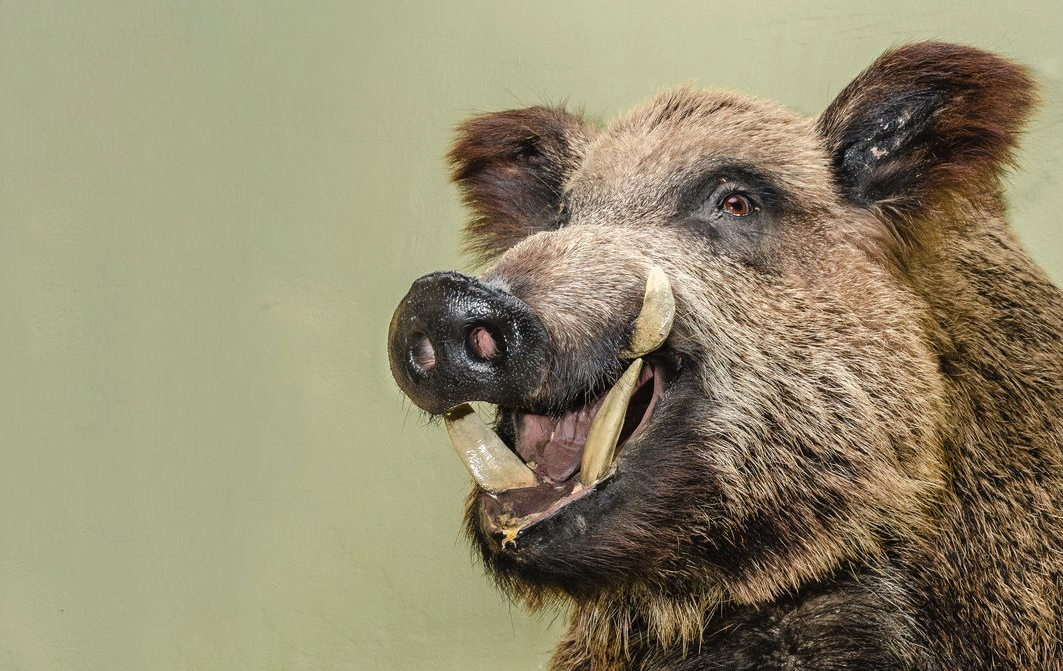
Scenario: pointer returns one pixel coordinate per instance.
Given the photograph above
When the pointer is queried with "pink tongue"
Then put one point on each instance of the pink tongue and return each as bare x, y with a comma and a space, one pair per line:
555, 445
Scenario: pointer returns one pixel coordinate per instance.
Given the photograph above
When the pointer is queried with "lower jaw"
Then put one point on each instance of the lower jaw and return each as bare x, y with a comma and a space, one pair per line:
506, 518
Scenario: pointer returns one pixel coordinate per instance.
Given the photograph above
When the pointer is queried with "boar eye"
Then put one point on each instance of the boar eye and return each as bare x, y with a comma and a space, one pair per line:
737, 205
720, 201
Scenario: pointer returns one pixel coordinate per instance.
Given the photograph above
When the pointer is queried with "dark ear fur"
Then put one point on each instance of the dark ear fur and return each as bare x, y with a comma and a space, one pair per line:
511, 167
925, 123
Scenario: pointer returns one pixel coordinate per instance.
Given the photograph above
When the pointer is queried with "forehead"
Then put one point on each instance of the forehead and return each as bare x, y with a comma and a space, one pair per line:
645, 159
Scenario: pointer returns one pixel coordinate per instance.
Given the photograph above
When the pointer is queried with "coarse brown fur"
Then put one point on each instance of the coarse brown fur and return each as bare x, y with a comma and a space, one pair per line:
858, 462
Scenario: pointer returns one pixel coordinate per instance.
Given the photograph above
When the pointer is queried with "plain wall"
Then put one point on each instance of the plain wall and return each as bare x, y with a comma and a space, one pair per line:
208, 211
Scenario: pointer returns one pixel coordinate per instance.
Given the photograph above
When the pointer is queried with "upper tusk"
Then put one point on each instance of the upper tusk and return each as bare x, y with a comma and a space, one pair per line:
654, 322
493, 465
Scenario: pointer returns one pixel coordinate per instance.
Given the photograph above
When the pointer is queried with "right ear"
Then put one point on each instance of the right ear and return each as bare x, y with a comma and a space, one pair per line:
511, 168
926, 122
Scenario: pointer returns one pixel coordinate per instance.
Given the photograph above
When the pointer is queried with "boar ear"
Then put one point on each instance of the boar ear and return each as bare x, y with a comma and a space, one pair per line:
924, 123
511, 168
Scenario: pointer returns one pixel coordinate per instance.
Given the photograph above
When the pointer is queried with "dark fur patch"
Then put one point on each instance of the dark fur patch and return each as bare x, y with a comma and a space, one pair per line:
511, 167
926, 123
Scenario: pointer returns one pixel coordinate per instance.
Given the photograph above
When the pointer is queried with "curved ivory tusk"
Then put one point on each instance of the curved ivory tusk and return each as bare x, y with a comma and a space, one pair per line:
605, 429
654, 322
493, 465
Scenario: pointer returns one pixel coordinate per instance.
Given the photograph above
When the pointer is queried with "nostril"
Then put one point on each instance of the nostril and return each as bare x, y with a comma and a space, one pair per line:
422, 353
481, 343
453, 339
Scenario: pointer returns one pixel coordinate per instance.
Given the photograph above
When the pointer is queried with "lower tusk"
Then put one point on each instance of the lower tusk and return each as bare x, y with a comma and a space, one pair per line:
654, 322
600, 446
493, 465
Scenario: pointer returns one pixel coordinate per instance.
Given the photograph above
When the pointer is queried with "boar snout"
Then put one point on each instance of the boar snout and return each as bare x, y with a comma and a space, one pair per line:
455, 339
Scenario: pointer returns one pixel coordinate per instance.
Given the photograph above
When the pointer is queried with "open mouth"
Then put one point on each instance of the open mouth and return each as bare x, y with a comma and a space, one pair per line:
571, 453
543, 462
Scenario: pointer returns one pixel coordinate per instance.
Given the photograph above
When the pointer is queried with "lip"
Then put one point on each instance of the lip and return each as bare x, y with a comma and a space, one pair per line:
552, 446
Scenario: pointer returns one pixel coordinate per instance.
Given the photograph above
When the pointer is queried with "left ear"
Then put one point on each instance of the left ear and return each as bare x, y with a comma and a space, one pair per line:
511, 168
923, 122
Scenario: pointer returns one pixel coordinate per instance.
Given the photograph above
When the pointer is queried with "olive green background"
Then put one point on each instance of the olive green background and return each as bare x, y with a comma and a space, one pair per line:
207, 213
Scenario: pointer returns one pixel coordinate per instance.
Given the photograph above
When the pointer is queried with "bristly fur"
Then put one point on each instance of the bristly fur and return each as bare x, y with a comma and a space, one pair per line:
859, 464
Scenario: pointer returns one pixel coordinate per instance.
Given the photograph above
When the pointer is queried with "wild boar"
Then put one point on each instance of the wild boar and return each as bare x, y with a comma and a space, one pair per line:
772, 392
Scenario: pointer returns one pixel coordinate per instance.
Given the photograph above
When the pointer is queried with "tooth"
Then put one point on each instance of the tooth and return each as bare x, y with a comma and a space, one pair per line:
605, 429
492, 464
654, 322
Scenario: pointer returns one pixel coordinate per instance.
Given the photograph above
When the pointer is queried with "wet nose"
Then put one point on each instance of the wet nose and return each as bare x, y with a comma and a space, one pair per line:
455, 339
